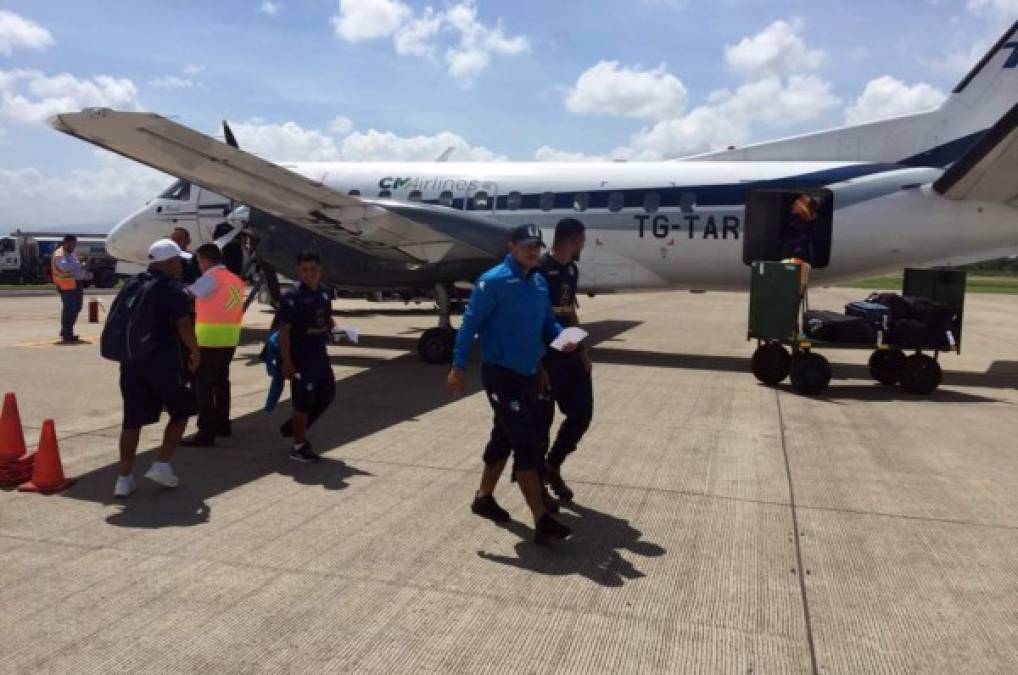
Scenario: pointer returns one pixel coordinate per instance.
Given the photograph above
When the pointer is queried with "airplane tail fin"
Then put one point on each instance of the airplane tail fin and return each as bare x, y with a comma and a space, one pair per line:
934, 138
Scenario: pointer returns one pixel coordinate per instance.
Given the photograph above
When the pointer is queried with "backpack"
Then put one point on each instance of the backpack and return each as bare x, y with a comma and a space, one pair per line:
127, 335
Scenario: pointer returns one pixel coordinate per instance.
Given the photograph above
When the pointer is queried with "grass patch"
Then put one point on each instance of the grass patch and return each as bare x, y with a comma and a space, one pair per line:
1006, 284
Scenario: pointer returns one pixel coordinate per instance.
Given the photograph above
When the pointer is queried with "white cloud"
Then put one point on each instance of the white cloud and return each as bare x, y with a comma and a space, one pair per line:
18, 32
32, 96
608, 89
776, 49
269, 8
957, 63
341, 125
101, 194
888, 97
383, 146
472, 55
416, 38
359, 20
467, 55
286, 141
188, 79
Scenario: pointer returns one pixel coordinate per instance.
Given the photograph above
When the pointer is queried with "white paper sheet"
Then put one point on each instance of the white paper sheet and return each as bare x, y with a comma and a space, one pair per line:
569, 335
352, 334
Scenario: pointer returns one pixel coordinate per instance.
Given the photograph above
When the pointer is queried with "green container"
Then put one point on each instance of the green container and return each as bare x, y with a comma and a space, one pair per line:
774, 301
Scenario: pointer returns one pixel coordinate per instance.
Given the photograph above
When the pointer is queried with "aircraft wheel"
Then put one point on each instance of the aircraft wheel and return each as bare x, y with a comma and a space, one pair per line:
435, 345
921, 374
771, 363
811, 373
886, 366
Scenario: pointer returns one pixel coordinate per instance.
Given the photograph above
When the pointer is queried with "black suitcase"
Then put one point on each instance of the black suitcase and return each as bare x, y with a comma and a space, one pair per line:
937, 316
896, 305
873, 312
834, 327
907, 334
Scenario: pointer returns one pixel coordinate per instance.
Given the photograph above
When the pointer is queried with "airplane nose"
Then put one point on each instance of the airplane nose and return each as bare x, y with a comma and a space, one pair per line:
121, 241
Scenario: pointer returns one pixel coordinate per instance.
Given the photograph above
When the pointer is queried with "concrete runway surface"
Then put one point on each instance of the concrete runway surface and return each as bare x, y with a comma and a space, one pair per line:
721, 526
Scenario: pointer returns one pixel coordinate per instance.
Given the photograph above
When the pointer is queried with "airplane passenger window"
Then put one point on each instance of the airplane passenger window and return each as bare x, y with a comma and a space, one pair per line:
181, 190
384, 194
616, 200
547, 201
480, 201
514, 201
580, 201
355, 193
414, 196
651, 202
687, 202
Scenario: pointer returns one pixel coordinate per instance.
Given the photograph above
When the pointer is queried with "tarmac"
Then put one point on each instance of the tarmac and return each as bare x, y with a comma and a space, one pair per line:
721, 526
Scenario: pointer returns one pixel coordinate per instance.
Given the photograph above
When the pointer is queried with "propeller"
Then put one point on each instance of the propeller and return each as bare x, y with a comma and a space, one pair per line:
228, 136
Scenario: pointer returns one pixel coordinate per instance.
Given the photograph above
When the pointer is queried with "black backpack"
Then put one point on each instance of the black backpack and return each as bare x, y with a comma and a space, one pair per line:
128, 335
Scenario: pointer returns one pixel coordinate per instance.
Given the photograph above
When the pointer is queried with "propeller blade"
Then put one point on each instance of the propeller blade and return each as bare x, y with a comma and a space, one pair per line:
228, 135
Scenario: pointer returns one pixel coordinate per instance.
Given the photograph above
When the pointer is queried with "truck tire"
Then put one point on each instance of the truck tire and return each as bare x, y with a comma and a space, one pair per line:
921, 375
811, 373
771, 363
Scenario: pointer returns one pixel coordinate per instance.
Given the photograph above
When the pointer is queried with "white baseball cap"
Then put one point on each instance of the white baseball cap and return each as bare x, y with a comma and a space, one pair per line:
166, 249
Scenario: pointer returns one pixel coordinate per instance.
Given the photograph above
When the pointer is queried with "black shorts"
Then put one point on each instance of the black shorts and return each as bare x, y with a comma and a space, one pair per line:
147, 391
313, 389
513, 399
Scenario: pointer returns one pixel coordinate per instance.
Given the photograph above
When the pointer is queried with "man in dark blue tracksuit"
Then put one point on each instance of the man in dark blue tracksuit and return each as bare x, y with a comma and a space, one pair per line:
568, 381
510, 312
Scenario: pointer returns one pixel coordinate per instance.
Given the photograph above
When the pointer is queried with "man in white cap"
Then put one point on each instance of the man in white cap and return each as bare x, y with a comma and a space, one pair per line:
156, 377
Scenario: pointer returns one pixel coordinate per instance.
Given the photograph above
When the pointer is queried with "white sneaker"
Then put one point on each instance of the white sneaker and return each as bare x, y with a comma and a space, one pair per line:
162, 473
124, 487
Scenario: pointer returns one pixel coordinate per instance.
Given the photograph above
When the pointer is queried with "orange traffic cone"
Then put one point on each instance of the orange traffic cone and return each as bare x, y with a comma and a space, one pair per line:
12, 437
48, 475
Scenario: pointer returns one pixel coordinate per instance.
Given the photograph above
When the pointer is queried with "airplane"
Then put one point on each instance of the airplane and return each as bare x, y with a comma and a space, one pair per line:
931, 188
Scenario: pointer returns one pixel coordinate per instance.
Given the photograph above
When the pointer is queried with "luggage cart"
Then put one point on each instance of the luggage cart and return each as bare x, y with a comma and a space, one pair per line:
776, 310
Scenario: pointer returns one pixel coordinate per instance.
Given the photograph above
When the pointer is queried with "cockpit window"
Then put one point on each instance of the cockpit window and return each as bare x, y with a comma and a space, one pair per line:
181, 190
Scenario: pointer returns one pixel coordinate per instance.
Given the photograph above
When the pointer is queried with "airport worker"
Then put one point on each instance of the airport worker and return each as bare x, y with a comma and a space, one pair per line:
219, 310
163, 380
305, 326
190, 273
509, 311
568, 376
68, 275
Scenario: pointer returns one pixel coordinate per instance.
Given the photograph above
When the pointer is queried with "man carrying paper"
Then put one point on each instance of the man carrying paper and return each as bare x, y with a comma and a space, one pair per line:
510, 312
567, 376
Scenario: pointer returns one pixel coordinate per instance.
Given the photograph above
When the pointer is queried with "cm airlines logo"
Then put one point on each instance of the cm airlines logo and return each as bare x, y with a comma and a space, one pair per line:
425, 184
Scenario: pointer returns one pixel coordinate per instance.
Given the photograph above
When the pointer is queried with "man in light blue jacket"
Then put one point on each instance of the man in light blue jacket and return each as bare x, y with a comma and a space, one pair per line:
510, 312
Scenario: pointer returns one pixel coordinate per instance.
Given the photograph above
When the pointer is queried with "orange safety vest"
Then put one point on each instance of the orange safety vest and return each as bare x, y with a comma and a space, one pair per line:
64, 281
219, 316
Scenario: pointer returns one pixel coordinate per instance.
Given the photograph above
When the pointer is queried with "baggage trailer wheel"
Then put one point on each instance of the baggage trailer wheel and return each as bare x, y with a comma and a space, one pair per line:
886, 365
771, 363
921, 374
811, 373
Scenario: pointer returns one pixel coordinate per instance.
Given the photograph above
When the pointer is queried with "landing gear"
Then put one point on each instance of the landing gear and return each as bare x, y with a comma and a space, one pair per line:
435, 344
771, 363
811, 373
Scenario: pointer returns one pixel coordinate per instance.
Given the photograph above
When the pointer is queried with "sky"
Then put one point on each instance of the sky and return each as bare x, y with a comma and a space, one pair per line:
403, 80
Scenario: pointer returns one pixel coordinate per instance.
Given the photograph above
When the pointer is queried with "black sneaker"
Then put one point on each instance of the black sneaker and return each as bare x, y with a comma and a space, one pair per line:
304, 454
555, 482
548, 530
550, 503
487, 507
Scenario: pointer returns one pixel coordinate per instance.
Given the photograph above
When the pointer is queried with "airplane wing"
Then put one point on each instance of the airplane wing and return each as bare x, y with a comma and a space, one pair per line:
418, 233
989, 171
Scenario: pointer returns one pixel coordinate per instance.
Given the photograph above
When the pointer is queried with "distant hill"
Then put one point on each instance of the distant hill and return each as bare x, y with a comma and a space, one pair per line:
999, 266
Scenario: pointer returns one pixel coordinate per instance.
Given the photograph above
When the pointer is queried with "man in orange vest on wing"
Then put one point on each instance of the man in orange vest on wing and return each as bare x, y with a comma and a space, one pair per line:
219, 310
67, 273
